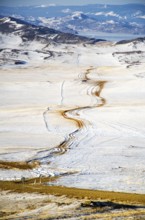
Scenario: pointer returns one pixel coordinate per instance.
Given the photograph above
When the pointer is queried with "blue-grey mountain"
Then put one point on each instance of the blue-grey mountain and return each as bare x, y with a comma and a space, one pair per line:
129, 18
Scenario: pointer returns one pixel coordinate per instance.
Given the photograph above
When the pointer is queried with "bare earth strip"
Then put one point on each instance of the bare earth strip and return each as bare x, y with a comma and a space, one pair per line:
72, 192
59, 202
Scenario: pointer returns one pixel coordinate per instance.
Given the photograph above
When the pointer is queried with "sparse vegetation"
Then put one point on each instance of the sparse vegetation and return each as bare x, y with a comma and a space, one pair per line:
62, 202
30, 187
18, 165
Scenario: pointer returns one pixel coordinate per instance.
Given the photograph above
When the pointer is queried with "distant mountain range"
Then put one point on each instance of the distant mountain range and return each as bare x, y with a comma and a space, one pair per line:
30, 32
129, 18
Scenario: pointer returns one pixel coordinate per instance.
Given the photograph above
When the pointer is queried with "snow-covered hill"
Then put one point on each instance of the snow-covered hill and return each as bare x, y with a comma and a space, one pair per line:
77, 109
29, 32
22, 43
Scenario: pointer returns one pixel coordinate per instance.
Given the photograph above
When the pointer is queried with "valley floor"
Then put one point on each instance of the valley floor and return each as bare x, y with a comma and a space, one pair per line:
77, 115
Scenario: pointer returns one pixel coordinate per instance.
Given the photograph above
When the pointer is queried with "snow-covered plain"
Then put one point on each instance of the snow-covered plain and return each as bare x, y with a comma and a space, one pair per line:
78, 109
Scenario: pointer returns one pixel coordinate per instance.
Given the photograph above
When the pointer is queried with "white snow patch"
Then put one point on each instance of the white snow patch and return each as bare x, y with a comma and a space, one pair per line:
107, 150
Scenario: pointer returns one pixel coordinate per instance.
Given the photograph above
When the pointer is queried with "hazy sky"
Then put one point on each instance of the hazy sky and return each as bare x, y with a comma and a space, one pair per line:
65, 2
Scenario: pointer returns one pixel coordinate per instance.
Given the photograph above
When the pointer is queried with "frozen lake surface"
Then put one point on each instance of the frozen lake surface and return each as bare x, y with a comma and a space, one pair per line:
110, 36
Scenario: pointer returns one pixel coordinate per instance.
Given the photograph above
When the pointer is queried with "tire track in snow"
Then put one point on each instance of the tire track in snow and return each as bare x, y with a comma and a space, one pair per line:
45, 119
62, 88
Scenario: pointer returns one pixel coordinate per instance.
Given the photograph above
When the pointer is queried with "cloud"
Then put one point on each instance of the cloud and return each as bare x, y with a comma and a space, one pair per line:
66, 11
45, 6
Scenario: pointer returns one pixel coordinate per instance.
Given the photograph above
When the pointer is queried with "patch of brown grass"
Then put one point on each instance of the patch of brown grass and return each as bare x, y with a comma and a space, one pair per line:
30, 187
4, 214
18, 165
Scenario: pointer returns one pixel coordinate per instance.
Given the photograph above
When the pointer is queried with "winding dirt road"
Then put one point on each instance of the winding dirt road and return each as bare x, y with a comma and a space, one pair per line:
94, 89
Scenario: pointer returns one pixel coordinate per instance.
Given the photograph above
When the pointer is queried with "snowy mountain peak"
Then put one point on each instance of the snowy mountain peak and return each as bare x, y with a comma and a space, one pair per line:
79, 15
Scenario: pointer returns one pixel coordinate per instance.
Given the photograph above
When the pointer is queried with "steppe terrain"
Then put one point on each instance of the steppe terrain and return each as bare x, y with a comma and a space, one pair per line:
72, 115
